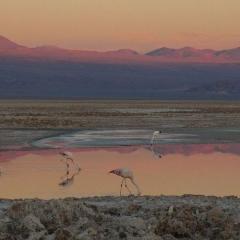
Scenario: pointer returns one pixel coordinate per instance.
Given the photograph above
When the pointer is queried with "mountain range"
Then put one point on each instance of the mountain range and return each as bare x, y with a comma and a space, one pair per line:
164, 73
186, 54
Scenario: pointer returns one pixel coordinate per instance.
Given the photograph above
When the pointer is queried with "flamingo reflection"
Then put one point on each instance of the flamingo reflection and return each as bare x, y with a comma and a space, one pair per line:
70, 163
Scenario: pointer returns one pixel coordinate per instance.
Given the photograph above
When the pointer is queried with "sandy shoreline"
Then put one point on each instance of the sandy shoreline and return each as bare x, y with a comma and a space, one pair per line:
161, 217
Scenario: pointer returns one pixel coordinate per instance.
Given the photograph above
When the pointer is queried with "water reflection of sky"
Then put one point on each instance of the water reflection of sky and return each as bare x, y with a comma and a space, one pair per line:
212, 169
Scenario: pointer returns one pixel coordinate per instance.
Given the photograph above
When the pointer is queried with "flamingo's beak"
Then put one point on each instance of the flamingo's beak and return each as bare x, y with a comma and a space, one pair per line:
111, 171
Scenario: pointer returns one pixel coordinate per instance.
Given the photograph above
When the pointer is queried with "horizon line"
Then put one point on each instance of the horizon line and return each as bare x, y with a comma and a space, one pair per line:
115, 49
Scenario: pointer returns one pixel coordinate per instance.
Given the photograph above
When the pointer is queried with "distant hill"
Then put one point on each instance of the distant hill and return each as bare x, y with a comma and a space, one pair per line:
52, 72
229, 54
6, 44
186, 54
202, 55
182, 52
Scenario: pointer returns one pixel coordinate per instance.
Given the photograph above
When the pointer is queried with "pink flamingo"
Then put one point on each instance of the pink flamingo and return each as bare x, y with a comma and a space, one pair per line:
126, 173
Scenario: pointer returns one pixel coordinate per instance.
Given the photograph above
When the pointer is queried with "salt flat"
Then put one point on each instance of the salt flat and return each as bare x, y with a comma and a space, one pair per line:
118, 114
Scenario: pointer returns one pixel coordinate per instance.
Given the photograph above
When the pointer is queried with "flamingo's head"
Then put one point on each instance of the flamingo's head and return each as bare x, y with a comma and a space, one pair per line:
63, 154
115, 171
67, 155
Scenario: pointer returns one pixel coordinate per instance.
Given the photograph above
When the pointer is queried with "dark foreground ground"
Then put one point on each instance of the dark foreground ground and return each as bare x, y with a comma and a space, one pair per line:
164, 218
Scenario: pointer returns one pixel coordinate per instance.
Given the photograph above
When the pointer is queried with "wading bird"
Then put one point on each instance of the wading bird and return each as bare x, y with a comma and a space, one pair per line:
155, 135
126, 174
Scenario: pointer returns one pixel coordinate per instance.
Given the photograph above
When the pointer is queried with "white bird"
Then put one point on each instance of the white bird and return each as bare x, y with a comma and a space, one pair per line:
155, 135
126, 173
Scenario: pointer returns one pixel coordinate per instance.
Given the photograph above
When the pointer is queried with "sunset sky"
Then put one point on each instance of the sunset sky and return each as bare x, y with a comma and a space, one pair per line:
112, 24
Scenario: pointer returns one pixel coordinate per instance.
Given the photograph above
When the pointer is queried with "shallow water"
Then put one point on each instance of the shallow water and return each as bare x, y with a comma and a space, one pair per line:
211, 169
114, 138
103, 138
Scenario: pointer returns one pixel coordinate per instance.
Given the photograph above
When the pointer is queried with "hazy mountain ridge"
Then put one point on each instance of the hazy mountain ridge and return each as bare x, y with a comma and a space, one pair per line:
6, 44
201, 54
182, 52
186, 54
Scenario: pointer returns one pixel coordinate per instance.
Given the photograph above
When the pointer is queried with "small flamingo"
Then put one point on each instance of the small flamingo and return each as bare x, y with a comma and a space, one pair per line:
126, 173
154, 136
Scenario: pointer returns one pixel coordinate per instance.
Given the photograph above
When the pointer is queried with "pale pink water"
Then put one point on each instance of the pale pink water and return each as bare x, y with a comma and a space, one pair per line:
183, 169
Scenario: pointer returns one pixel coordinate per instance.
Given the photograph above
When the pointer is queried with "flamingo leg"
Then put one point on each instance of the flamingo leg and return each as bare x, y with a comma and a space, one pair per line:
152, 145
121, 187
126, 186
153, 151
152, 140
156, 139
